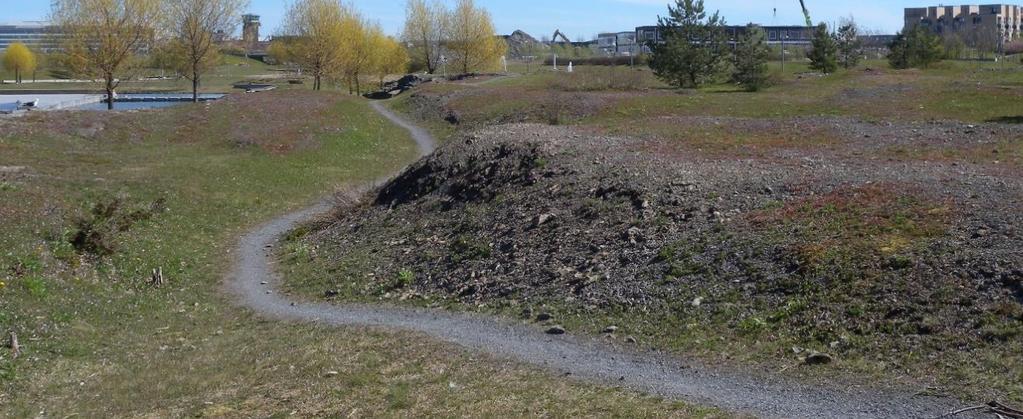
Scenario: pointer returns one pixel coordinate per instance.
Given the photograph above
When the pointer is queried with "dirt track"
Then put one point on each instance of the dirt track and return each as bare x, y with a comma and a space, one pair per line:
253, 281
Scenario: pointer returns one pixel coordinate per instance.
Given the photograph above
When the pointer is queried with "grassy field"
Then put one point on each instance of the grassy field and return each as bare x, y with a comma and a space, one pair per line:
93, 202
231, 70
633, 103
630, 98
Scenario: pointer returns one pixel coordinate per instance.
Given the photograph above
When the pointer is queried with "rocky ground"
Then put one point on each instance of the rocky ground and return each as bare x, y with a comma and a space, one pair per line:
909, 260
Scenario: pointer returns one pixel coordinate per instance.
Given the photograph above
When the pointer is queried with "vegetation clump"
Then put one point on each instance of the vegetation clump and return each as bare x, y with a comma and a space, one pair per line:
97, 231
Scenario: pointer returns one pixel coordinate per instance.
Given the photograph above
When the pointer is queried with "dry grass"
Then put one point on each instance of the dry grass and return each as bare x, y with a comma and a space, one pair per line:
99, 341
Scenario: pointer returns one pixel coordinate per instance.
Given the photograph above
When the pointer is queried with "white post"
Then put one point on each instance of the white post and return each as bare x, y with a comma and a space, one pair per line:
555, 62
569, 66
504, 62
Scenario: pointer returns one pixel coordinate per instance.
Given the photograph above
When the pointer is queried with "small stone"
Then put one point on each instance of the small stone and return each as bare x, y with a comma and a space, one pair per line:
697, 301
556, 330
797, 350
610, 329
542, 317
331, 373
630, 339
818, 358
543, 219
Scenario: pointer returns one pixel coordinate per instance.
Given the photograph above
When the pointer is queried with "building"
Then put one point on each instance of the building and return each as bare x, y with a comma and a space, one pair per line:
997, 23
788, 35
607, 43
250, 29
625, 44
776, 35
39, 36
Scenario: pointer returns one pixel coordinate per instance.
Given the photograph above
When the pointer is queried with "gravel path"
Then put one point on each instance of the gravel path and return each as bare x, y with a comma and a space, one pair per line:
253, 281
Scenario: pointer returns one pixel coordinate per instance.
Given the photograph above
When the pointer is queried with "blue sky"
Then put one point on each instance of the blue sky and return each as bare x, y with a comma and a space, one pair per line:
577, 18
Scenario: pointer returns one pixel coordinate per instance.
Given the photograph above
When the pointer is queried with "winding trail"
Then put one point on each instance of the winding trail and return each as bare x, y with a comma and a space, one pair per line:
253, 281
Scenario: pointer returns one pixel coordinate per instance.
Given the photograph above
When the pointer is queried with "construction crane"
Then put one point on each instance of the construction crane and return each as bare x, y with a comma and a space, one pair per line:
557, 33
806, 13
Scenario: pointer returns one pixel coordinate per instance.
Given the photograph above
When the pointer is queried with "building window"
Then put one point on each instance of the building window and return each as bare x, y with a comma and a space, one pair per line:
773, 36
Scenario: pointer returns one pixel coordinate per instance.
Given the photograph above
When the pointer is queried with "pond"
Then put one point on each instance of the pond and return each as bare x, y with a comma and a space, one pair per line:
135, 101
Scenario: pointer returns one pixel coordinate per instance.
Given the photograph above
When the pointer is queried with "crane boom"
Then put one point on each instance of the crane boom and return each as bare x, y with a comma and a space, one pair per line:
806, 13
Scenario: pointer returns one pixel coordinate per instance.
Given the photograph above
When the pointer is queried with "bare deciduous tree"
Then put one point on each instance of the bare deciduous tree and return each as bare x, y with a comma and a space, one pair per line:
473, 42
193, 25
315, 36
103, 38
426, 27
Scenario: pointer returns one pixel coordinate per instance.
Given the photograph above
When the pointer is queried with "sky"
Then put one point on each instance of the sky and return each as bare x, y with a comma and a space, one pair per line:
577, 18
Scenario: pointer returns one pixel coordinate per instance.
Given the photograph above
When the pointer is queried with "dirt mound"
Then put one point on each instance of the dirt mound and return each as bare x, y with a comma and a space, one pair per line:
855, 256
521, 44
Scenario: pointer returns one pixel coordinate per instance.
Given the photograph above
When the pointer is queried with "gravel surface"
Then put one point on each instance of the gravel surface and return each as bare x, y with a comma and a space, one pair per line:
253, 281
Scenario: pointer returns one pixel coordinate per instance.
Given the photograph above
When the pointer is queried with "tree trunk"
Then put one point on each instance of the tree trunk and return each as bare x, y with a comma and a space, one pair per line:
195, 84
110, 91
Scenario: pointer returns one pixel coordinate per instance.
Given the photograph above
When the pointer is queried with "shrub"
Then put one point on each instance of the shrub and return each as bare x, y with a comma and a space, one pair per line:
96, 232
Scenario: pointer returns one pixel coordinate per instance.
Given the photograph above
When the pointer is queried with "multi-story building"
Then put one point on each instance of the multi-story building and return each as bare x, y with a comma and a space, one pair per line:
992, 22
607, 43
776, 35
626, 45
36, 35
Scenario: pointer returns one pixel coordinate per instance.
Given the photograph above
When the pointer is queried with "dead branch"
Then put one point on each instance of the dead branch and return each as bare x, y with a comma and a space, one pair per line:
1002, 410
994, 407
963, 410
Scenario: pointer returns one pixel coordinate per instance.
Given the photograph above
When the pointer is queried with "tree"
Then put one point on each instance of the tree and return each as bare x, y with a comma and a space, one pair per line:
426, 27
389, 57
694, 45
359, 54
823, 54
20, 60
315, 37
750, 59
193, 25
472, 41
916, 47
850, 48
103, 38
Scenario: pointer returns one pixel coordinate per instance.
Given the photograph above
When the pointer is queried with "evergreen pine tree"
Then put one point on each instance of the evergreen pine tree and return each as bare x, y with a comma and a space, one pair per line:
850, 49
750, 60
824, 55
694, 47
